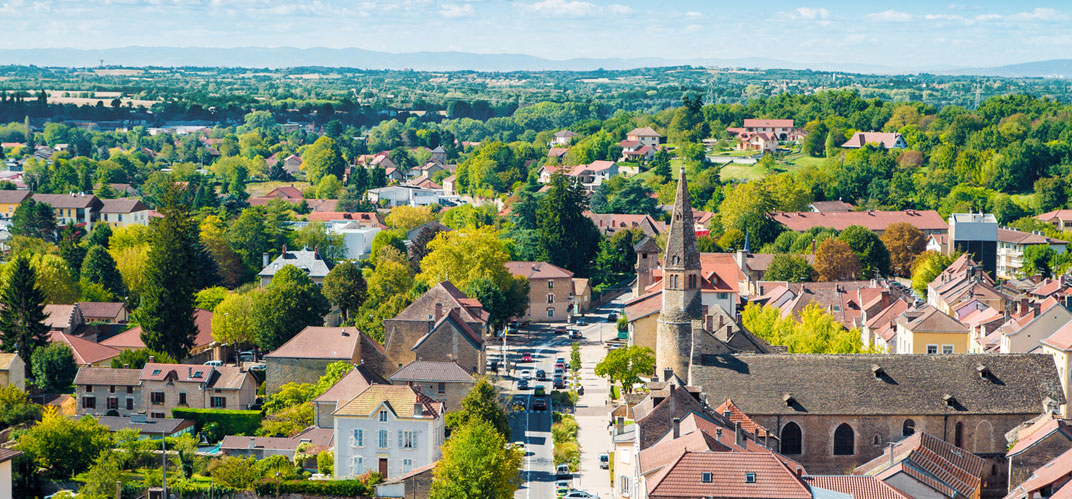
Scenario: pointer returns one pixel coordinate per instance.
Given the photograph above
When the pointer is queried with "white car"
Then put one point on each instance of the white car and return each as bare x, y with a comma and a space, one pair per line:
526, 374
577, 494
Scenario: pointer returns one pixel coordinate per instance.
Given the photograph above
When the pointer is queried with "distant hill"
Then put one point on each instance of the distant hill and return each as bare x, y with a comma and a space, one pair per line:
1061, 68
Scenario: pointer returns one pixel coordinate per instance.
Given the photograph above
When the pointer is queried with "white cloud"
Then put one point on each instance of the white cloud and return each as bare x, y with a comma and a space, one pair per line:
693, 13
455, 10
810, 13
1039, 14
571, 8
895, 16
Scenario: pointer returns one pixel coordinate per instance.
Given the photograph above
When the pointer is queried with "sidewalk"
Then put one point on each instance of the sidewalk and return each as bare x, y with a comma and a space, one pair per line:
592, 415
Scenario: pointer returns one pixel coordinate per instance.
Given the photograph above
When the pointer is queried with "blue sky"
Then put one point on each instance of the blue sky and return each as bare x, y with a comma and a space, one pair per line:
907, 33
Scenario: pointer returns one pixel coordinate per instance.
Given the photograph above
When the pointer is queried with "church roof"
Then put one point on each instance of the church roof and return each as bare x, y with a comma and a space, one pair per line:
681, 250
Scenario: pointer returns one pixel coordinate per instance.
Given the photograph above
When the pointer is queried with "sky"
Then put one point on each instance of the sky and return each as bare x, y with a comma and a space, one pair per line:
922, 34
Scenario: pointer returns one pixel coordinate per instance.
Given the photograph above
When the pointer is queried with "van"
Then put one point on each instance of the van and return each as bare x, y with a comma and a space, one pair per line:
214, 363
604, 461
562, 471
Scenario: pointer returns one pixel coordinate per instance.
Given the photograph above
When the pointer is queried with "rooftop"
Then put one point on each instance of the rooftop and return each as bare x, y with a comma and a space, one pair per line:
426, 370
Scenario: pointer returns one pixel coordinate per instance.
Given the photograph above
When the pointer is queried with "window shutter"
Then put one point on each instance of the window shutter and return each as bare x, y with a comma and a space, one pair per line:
399, 439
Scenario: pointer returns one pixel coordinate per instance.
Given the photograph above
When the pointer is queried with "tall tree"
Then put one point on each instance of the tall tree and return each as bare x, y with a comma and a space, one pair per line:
873, 255
22, 318
100, 268
53, 367
626, 365
233, 319
291, 302
166, 312
477, 464
34, 219
566, 237
904, 242
345, 287
480, 404
323, 158
418, 247
504, 300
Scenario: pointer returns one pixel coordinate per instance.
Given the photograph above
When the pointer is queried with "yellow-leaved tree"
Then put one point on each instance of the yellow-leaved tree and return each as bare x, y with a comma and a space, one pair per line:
816, 331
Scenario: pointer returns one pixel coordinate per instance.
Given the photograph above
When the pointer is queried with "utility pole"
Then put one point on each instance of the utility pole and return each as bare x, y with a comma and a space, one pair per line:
163, 449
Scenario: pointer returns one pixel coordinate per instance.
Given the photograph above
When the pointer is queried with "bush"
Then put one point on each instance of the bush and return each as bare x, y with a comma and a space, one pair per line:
229, 422
325, 463
569, 453
351, 488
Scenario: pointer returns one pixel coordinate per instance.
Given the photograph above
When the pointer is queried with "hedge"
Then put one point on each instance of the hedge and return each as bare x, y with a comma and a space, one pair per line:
231, 422
348, 488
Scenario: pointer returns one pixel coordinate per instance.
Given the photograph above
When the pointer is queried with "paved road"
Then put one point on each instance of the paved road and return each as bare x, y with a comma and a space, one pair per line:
534, 427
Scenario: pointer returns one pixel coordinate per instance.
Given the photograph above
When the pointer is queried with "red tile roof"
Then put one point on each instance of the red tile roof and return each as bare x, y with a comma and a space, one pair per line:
885, 139
684, 477
1060, 339
85, 352
859, 487
644, 305
926, 220
1063, 215
738, 416
1044, 427
1051, 472
315, 342
759, 123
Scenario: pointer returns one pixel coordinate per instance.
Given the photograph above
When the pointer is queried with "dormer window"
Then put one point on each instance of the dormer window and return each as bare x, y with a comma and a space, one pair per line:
789, 400
950, 401
877, 371
749, 477
383, 416
705, 477
197, 374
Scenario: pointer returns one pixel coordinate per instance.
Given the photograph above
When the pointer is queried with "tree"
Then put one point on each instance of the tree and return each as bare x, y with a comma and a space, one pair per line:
209, 298
463, 255
1050, 193
407, 218
315, 235
22, 317
323, 158
501, 301
233, 320
904, 242
873, 255
815, 330
100, 235
291, 302
72, 252
54, 368
418, 247
15, 407
565, 236
388, 238
34, 219
102, 476
480, 404
329, 187
477, 464
166, 313
790, 268
927, 266
626, 365
345, 287
228, 264
99, 268
835, 261
64, 446
136, 359
1038, 260
234, 472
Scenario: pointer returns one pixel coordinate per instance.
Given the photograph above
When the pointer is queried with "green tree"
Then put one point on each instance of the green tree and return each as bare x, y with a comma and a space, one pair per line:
209, 298
64, 446
626, 365
54, 367
1038, 260
100, 235
873, 255
477, 464
136, 359
34, 219
315, 235
791, 268
565, 236
99, 268
927, 266
345, 287
22, 317
418, 247
392, 238
291, 302
323, 158
1050, 193
325, 463
15, 407
461, 256
329, 187
501, 301
101, 478
234, 472
166, 312
233, 320
814, 331
480, 404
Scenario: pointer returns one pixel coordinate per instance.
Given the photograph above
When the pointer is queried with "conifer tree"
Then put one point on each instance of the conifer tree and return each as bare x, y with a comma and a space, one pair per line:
22, 319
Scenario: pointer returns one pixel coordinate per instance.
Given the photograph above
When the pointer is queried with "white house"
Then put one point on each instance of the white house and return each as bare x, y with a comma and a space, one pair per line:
123, 212
563, 138
6, 455
591, 175
390, 429
408, 195
645, 136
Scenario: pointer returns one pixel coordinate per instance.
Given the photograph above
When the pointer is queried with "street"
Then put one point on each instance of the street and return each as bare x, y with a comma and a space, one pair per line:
533, 428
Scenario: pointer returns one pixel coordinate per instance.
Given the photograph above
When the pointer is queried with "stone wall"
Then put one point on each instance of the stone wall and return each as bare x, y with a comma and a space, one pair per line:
280, 371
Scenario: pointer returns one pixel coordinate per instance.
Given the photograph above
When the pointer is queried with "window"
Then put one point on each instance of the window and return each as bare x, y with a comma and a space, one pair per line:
844, 440
218, 402
723, 296
692, 281
550, 298
626, 484
407, 465
157, 415
111, 389
705, 477
156, 397
947, 349
749, 477
791, 439
89, 388
442, 388
130, 404
383, 439
156, 372
359, 438
407, 439
113, 403
958, 435
383, 416
182, 398
908, 428
197, 374
358, 465
130, 389
673, 282
932, 349
89, 403
550, 284
550, 312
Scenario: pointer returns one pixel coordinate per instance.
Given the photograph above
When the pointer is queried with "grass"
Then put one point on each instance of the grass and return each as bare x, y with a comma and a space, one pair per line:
801, 160
261, 188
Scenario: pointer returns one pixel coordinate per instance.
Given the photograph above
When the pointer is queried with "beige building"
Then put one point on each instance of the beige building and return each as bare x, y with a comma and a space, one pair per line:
550, 291
103, 390
444, 382
929, 331
442, 325
1059, 346
167, 386
12, 370
123, 212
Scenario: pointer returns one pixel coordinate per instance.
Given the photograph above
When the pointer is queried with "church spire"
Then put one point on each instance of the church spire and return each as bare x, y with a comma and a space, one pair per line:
681, 250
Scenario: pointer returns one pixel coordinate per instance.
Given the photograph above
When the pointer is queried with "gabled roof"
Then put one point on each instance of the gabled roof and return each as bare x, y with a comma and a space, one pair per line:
831, 206
859, 487
537, 270
800, 221
431, 371
6, 360
668, 450
59, 316
887, 140
122, 205
107, 376
307, 260
1055, 470
643, 132
453, 318
1060, 339
161, 426
1064, 215
683, 478
131, 338
13, 197
9, 454
353, 383
447, 296
931, 320
1039, 430
85, 352
644, 305
738, 416
758, 123
322, 342
101, 309
399, 399
64, 201
1025, 238
187, 373
929, 459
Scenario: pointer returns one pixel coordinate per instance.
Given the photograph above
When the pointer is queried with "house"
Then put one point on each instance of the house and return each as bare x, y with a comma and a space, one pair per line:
363, 218
1038, 443
702, 475
9, 200
965, 280
927, 221
450, 186
357, 238
308, 261
72, 208
557, 153
6, 457
645, 136
344, 390
63, 318
969, 400
761, 142
382, 160
304, 357
925, 466
635, 150
123, 212
417, 484
103, 312
929, 331
204, 348
444, 382
1011, 246
550, 291
439, 155
590, 176
12, 370
879, 330
167, 386
154, 429
1058, 218
86, 353
390, 429
609, 223
1049, 480
292, 164
1059, 346
103, 390
885, 140
852, 486
780, 129
563, 138
582, 294
443, 324
320, 439
286, 193
424, 171
1025, 334
409, 195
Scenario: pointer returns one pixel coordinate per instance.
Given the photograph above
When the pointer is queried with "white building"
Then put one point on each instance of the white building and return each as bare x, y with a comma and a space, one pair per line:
408, 195
390, 429
123, 212
6, 455
1011, 246
645, 136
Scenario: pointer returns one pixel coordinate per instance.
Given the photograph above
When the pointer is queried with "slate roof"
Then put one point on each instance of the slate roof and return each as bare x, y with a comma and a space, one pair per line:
321, 342
450, 297
537, 270
400, 399
859, 487
682, 478
164, 426
307, 260
932, 461
427, 370
107, 376
910, 384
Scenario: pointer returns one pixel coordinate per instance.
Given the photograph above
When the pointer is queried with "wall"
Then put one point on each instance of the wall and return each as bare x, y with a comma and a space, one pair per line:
917, 342
5, 480
1022, 465
1064, 368
454, 392
429, 441
642, 332
447, 344
101, 394
561, 288
16, 375
280, 371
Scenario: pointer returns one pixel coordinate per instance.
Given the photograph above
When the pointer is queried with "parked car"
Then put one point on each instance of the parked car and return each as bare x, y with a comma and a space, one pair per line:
574, 334
559, 383
214, 363
604, 461
562, 471
520, 445
577, 494
247, 356
540, 390
561, 490
541, 374
523, 384
539, 404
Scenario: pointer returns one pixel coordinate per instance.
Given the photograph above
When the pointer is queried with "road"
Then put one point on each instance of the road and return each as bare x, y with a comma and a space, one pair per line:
592, 411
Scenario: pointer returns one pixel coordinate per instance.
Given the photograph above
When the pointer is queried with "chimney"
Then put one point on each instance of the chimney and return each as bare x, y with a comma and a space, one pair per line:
438, 311
152, 359
126, 366
284, 249
668, 372
739, 432
718, 433
619, 425
264, 259
316, 251
418, 409
677, 427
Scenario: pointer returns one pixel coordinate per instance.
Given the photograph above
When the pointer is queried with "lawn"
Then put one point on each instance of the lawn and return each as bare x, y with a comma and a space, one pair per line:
743, 172
262, 188
794, 161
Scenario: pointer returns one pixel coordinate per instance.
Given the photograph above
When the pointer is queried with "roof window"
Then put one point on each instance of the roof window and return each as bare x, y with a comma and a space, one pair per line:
750, 477
705, 477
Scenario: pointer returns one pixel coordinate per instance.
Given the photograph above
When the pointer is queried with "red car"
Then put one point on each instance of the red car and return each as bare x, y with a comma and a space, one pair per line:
526, 357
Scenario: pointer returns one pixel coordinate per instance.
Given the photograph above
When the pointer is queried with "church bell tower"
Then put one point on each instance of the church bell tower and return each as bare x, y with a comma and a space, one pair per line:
681, 287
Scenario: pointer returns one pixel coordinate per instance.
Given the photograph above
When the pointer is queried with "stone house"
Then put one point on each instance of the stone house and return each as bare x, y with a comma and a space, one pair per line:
309, 261
444, 382
582, 294
550, 291
304, 358
167, 386
101, 390
416, 484
1024, 335
12, 370
343, 391
442, 325
1049, 480
1037, 444
950, 472
390, 429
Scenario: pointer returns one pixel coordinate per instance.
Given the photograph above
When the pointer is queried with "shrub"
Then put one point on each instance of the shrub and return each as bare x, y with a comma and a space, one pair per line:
325, 463
230, 422
569, 453
351, 488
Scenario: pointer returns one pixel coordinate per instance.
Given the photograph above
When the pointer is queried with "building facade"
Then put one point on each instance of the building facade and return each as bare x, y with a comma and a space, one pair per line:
389, 429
